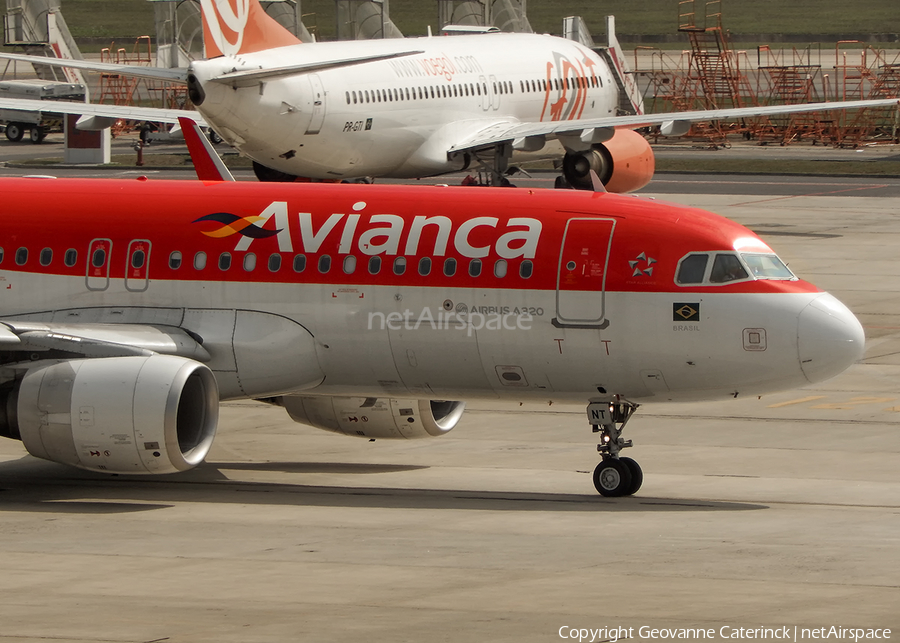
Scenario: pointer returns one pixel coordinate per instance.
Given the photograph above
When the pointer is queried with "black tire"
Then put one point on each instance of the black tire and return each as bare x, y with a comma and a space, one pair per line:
214, 138
14, 132
612, 478
637, 475
37, 134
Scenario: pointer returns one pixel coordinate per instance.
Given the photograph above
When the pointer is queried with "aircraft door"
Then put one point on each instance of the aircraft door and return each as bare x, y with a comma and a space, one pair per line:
136, 275
495, 96
98, 264
318, 104
487, 96
581, 277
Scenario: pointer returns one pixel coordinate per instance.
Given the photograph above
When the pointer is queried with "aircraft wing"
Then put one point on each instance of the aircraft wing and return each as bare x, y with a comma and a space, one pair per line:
106, 111
244, 78
250, 77
98, 340
156, 73
673, 123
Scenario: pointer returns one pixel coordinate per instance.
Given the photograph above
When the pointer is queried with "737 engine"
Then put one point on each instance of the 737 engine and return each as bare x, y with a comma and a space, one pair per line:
624, 163
142, 414
375, 417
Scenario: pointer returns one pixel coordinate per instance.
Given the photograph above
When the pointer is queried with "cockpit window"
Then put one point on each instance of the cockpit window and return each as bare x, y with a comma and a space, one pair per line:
692, 269
727, 267
767, 266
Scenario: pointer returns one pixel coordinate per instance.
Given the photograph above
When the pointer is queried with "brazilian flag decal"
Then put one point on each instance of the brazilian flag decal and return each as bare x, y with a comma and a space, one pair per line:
682, 312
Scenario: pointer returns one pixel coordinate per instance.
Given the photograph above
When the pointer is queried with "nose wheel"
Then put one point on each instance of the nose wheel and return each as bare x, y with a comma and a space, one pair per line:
614, 476
618, 477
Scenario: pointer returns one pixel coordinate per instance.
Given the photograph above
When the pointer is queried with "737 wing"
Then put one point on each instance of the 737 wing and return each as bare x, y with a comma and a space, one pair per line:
156, 73
583, 132
114, 112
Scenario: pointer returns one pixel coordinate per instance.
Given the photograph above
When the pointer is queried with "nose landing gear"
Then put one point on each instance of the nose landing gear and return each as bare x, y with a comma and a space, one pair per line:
614, 476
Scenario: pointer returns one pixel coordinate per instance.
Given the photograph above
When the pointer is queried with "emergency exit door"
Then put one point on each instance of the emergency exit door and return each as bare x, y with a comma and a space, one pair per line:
99, 253
138, 263
581, 278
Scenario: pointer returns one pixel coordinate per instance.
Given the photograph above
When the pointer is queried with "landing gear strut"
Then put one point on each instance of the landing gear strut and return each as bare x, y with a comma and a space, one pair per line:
614, 476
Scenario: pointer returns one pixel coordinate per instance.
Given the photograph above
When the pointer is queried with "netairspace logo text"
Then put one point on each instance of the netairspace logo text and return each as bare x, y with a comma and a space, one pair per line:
785, 633
470, 321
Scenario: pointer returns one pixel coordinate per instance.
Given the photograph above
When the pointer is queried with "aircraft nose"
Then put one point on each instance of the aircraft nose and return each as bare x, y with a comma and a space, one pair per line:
829, 338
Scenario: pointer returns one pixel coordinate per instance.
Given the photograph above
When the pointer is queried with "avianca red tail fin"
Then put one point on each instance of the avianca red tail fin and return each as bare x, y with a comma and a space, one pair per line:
233, 27
207, 162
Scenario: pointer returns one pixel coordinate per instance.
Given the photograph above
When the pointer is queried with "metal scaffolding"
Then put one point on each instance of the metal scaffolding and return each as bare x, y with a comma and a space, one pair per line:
713, 75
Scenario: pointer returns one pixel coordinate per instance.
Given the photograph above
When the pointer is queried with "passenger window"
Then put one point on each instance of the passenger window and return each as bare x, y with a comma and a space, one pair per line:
399, 265
97, 260
692, 269
299, 263
70, 258
174, 259
1, 255
526, 269
324, 264
767, 267
349, 265
727, 267
500, 268
475, 268
22, 256
46, 256
137, 259
225, 261
250, 262
200, 260
424, 266
274, 262
450, 267
374, 265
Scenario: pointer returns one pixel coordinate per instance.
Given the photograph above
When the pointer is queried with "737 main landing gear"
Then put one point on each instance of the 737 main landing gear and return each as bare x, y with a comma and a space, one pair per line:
614, 476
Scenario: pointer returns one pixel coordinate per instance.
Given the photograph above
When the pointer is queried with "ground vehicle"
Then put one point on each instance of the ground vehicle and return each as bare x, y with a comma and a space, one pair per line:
36, 123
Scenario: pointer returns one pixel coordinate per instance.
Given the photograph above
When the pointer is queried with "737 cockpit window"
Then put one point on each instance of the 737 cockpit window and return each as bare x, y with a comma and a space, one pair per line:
767, 266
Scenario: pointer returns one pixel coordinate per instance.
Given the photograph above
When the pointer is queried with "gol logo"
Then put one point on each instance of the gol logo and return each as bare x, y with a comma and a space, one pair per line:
221, 16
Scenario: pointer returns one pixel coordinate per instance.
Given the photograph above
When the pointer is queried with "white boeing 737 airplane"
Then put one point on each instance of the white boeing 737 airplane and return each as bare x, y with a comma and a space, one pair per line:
415, 107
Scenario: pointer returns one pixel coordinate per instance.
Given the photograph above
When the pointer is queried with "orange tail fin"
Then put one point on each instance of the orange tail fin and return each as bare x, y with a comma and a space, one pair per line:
233, 27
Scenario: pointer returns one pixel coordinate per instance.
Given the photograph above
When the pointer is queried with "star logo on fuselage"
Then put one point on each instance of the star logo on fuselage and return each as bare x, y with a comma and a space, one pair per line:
642, 265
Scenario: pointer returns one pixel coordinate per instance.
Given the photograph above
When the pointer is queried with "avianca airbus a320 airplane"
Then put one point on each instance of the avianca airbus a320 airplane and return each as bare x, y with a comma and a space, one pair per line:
132, 307
412, 107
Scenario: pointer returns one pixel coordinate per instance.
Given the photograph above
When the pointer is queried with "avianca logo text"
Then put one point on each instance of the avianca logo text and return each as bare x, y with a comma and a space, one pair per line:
219, 15
387, 234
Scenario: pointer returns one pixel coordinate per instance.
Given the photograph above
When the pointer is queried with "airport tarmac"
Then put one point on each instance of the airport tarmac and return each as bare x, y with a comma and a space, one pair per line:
755, 513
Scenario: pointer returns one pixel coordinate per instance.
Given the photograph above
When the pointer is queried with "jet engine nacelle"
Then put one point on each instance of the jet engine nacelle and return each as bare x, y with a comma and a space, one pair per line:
375, 417
153, 414
624, 163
